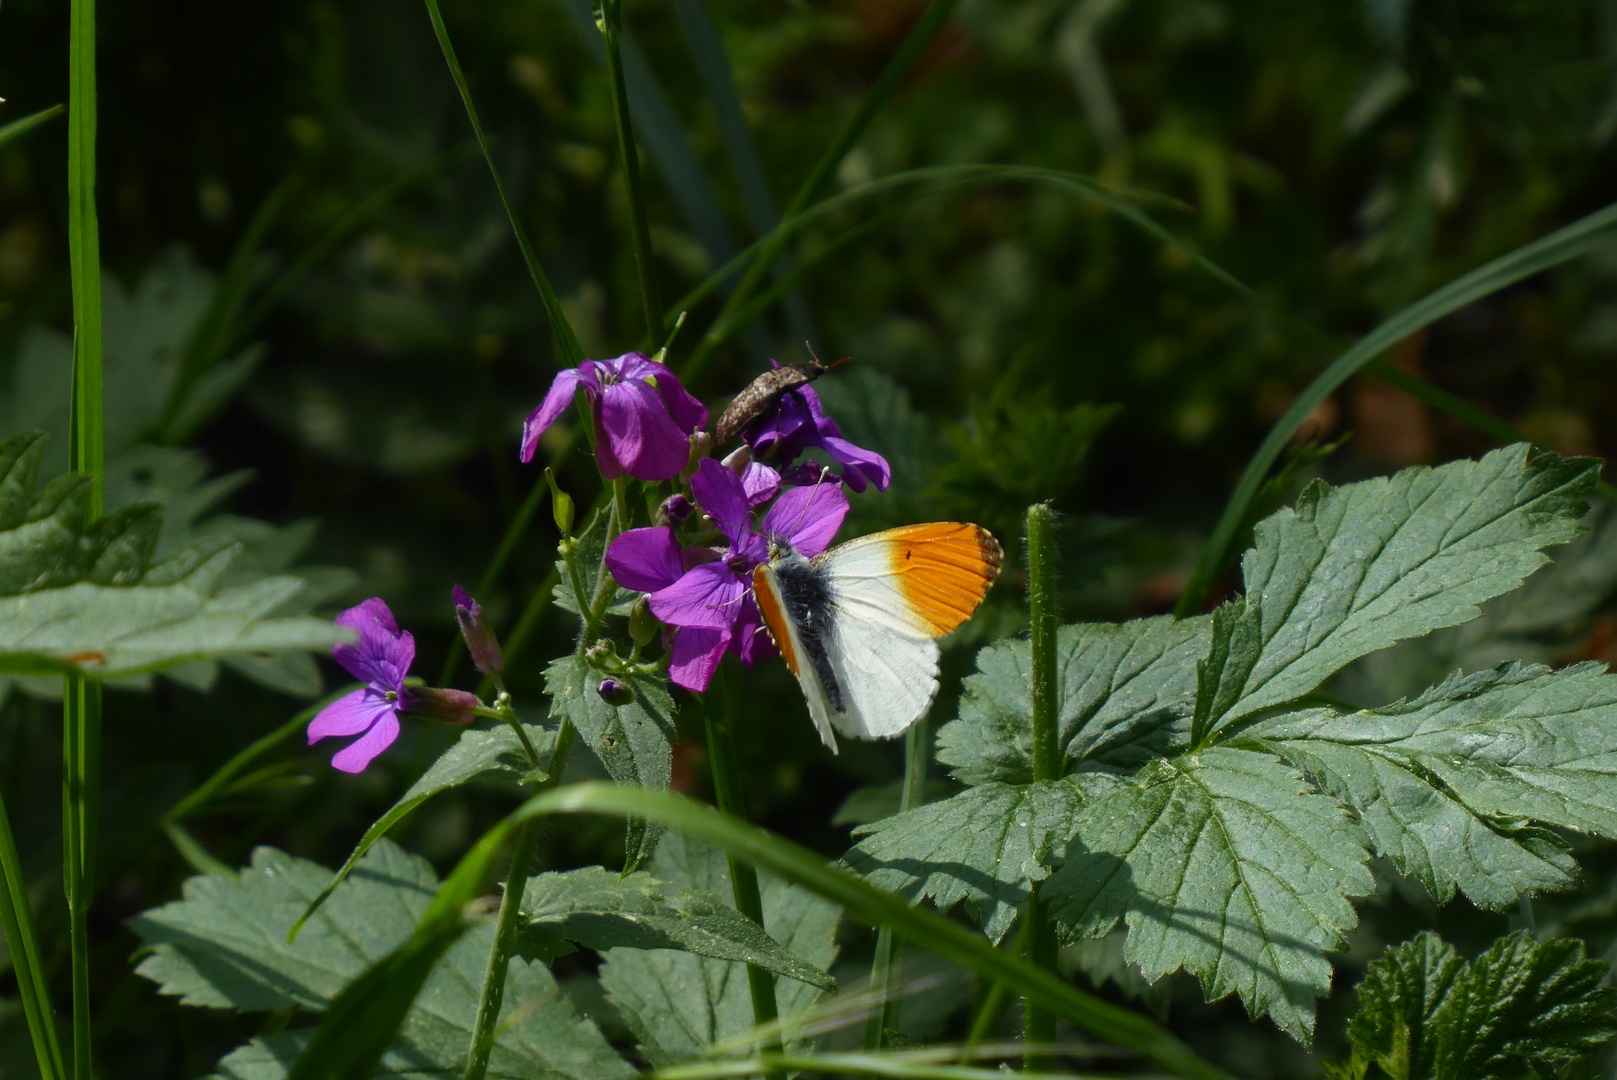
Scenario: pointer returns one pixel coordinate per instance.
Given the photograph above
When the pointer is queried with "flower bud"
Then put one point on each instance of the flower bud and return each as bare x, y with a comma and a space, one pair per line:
601, 652
615, 693
643, 625
561, 505
674, 510
480, 639
436, 703
701, 444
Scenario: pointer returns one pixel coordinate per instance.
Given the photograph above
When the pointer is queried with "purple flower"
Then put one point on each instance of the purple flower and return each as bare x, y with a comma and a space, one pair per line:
798, 423
706, 595
643, 416
480, 639
380, 658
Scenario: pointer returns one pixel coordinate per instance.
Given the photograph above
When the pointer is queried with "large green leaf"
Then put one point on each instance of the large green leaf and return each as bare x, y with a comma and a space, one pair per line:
1353, 570
1455, 785
1225, 863
1122, 687
1521, 1008
982, 847
679, 1004
634, 741
225, 946
602, 910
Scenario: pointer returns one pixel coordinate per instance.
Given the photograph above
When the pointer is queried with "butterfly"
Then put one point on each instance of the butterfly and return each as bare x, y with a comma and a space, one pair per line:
858, 623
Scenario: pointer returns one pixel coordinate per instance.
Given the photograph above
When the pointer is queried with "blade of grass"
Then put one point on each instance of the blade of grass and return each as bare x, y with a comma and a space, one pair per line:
81, 699
887, 83
610, 24
942, 936
1579, 238
18, 128
567, 347
22, 940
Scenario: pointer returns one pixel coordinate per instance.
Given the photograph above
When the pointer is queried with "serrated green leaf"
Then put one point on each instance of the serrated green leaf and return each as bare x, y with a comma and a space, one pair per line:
678, 1004
634, 741
602, 910
1454, 785
982, 847
475, 754
1228, 864
1122, 689
225, 945
1353, 570
591, 546
1426, 1014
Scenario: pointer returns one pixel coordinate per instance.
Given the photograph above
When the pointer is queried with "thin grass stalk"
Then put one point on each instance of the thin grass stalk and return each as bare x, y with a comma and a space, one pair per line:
887, 83
727, 794
22, 938
1039, 1021
610, 24
18, 128
889, 953
81, 699
561, 331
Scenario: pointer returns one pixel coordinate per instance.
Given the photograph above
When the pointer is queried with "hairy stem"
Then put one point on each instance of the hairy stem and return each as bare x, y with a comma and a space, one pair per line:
917, 743
1039, 1027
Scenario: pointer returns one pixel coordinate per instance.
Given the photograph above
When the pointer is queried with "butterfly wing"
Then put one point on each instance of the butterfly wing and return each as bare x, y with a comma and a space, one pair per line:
783, 631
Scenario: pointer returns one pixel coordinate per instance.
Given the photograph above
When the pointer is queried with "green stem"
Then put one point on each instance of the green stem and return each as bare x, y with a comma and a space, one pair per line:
81, 784
917, 743
991, 1010
509, 919
17, 920
611, 26
1039, 1028
721, 753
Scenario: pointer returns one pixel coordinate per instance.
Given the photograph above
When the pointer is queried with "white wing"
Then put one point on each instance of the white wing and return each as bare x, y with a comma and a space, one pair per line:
819, 705
887, 669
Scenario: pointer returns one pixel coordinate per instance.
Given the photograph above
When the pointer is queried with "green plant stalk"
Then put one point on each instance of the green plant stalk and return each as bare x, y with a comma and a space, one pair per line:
1039, 1028
887, 83
561, 331
721, 754
18, 128
611, 26
81, 699
486, 1025
917, 744
991, 1009
17, 921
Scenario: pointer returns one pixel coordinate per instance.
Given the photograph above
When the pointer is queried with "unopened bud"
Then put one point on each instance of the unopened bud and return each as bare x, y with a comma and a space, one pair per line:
674, 510
738, 459
643, 624
561, 505
480, 639
436, 703
615, 693
701, 444
601, 651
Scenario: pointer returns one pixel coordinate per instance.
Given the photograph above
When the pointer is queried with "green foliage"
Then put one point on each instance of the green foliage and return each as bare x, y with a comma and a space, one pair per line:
679, 1004
225, 946
91, 597
602, 910
1522, 1008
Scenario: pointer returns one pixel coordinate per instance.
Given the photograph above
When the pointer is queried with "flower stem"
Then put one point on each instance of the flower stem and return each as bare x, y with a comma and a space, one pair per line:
1039, 1027
17, 921
917, 743
611, 27
721, 753
510, 916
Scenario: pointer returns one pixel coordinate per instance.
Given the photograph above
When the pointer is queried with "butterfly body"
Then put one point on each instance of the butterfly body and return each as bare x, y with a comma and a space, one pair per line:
858, 624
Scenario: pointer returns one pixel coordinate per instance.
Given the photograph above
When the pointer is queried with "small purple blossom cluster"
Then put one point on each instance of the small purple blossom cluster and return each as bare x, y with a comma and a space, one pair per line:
696, 568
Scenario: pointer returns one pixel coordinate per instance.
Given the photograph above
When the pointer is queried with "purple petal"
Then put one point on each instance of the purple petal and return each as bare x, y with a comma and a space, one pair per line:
709, 595
859, 464
750, 640
808, 517
356, 755
555, 403
760, 482
695, 657
641, 435
687, 412
720, 494
349, 714
631, 365
786, 431
383, 654
645, 560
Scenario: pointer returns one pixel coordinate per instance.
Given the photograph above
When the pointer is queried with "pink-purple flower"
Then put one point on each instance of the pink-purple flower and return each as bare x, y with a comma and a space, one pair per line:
642, 414
380, 658
799, 423
705, 594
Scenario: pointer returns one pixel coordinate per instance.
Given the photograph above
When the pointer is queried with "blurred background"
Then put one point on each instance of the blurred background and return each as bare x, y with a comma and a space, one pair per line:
321, 340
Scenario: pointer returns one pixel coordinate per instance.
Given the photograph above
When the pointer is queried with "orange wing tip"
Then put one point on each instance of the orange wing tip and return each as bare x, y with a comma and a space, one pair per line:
944, 568
774, 617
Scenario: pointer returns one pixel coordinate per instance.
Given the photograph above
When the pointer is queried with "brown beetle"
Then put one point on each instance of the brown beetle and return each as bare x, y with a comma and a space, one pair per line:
762, 394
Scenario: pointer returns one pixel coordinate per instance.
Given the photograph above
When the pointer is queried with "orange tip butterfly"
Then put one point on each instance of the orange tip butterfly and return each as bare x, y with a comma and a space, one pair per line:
858, 625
